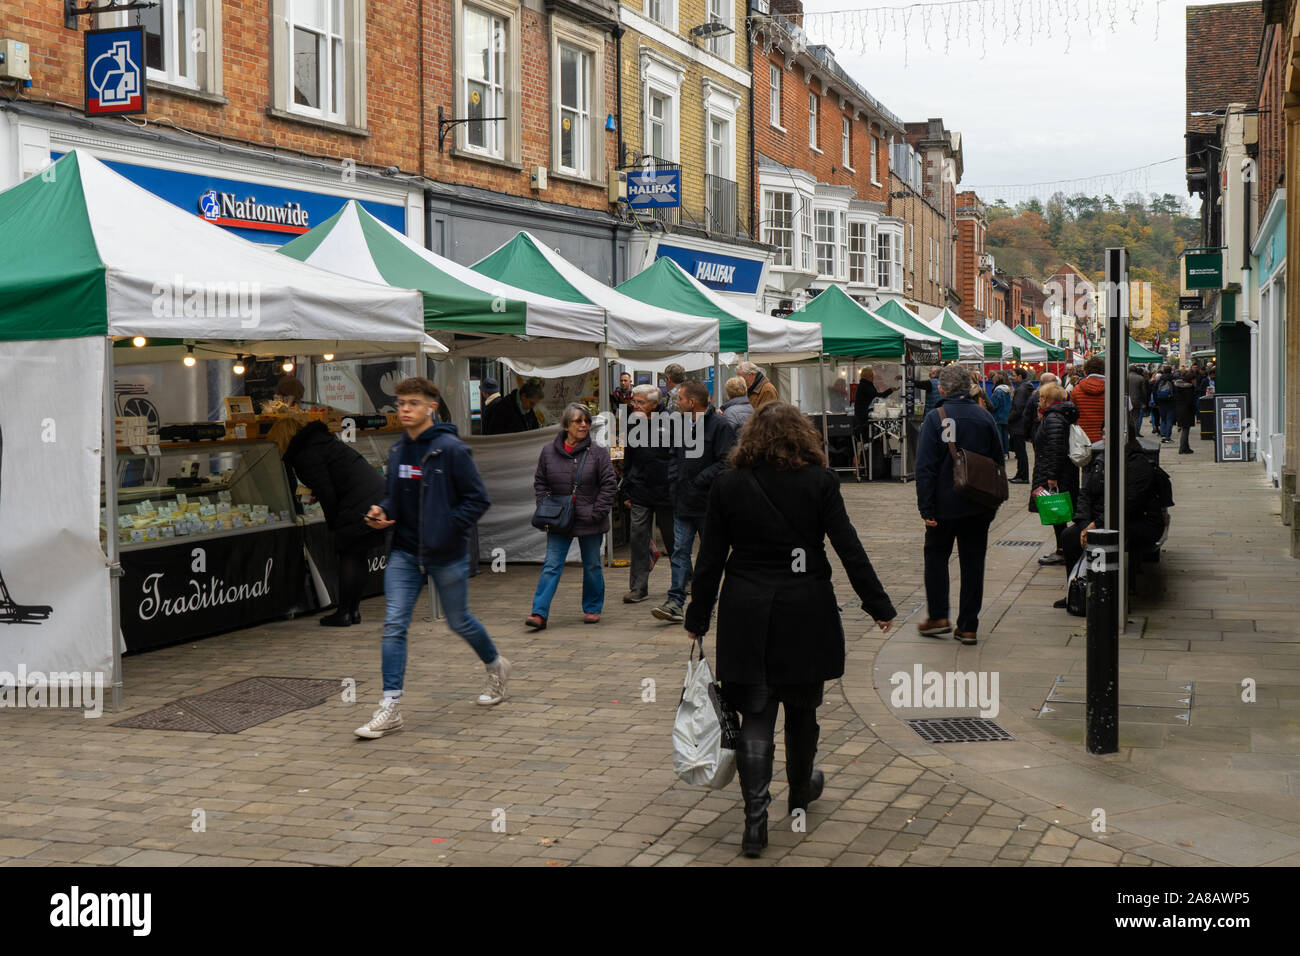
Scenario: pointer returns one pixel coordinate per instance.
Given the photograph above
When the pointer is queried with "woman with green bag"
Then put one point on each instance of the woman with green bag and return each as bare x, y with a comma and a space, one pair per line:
1054, 473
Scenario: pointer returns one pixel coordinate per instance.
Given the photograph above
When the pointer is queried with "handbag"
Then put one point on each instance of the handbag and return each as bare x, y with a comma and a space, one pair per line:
1076, 589
1055, 508
555, 513
976, 477
1080, 446
706, 730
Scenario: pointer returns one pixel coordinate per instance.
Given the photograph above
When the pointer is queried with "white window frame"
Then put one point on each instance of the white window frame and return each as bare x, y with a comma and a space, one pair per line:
667, 17
723, 46
774, 85
873, 278
805, 236
203, 66
824, 237
846, 143
568, 34
495, 137
814, 118
911, 248
875, 171
898, 262
773, 230
842, 245
858, 254
664, 79
577, 115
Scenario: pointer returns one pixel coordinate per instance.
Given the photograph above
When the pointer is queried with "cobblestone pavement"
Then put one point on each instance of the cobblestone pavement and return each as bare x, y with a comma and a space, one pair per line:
576, 764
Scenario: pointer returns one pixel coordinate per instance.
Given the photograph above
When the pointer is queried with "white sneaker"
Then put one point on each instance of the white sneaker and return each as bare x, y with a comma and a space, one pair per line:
498, 673
386, 720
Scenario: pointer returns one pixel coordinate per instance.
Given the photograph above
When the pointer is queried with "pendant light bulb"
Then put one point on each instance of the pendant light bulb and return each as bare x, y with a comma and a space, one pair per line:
288, 365
238, 367
189, 359
328, 356
139, 341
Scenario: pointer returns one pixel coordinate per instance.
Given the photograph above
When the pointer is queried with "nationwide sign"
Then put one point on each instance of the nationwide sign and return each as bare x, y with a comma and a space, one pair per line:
654, 189
114, 77
224, 209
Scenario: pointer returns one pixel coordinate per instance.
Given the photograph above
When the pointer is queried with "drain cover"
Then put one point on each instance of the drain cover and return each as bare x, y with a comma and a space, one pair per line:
237, 706
958, 730
1019, 544
1140, 702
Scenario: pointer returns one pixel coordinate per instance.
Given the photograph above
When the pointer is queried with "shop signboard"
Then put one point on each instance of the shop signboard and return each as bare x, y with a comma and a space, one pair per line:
1233, 434
1189, 303
715, 270
114, 80
1203, 270
652, 188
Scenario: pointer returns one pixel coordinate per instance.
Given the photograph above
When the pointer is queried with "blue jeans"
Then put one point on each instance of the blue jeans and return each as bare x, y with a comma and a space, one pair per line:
1166, 421
684, 532
403, 583
593, 580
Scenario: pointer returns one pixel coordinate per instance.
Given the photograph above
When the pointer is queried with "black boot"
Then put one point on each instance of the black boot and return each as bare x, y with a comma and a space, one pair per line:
805, 783
754, 764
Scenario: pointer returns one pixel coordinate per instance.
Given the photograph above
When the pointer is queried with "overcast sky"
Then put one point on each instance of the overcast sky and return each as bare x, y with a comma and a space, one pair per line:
1027, 110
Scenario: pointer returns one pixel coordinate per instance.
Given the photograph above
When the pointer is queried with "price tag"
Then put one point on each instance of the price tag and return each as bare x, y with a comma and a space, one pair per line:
241, 431
168, 531
138, 450
182, 500
237, 521
206, 510
155, 451
205, 500
223, 507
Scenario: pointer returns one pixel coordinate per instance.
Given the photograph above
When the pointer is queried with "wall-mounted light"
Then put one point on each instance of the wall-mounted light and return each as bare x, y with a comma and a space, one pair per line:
189, 359
238, 367
139, 341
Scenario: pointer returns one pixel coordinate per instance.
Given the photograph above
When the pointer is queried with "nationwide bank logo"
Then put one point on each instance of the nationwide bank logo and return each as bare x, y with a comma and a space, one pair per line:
226, 209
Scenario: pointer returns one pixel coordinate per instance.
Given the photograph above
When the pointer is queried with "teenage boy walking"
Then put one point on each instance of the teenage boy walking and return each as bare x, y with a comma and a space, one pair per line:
433, 498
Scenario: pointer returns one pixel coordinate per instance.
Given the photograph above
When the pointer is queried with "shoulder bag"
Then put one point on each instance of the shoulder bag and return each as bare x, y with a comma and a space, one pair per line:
555, 513
976, 477
1080, 446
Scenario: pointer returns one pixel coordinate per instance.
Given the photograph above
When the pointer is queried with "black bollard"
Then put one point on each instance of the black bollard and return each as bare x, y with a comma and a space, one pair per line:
1101, 716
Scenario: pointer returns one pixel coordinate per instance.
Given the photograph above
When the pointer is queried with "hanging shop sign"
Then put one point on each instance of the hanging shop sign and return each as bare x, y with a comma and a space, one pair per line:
114, 80
1233, 434
1203, 270
654, 188
716, 270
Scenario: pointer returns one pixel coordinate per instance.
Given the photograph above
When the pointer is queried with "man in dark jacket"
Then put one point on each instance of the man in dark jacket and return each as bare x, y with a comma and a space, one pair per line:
949, 517
696, 462
1137, 398
514, 411
433, 497
1029, 419
647, 459
1184, 405
1016, 425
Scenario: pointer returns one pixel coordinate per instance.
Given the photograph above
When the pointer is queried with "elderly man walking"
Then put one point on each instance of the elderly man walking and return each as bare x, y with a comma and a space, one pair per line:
948, 516
761, 391
646, 488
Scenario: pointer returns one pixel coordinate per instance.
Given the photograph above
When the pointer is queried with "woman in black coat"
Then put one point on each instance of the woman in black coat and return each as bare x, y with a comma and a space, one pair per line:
346, 485
779, 632
1185, 409
1053, 469
574, 458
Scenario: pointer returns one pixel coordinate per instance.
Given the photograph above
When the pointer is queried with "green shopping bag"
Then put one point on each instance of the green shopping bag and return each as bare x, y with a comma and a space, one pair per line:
1055, 509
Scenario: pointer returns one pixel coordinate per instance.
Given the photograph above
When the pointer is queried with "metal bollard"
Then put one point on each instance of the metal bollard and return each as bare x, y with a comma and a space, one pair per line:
1101, 714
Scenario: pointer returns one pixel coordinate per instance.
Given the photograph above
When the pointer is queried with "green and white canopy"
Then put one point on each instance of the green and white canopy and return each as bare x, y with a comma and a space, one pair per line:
86, 252
1024, 351
631, 326
1139, 354
850, 329
973, 344
668, 285
457, 299
892, 312
1054, 354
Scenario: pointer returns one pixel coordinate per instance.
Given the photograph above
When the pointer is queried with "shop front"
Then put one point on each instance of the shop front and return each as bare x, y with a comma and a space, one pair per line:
736, 272
1269, 309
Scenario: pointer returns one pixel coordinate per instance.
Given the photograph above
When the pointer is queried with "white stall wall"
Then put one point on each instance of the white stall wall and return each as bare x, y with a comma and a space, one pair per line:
51, 429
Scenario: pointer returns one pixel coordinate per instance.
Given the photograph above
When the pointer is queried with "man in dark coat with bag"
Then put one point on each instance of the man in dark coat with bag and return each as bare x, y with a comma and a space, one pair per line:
1017, 427
948, 516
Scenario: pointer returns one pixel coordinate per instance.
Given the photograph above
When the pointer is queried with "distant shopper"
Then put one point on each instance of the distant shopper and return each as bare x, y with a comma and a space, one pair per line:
515, 411
866, 394
1030, 417
289, 391
1016, 427
779, 636
1184, 406
1164, 395
1053, 470
488, 392
621, 395
345, 485
1137, 397
434, 494
839, 396
647, 490
737, 408
1001, 399
760, 390
692, 476
674, 375
930, 385
948, 516
574, 459
1089, 397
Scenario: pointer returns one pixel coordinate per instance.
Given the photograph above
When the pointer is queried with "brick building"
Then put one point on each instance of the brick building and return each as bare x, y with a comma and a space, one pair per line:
822, 165
974, 263
940, 151
925, 232
1071, 310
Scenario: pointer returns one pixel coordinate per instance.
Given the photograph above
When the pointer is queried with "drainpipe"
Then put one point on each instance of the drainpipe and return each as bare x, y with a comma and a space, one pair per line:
618, 89
753, 159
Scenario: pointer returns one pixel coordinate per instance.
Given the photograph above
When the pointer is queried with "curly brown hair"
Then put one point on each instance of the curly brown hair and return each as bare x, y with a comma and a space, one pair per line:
780, 435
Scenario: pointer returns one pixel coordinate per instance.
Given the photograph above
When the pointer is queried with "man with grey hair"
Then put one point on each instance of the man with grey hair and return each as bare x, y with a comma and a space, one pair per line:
646, 490
761, 391
949, 517
736, 409
674, 375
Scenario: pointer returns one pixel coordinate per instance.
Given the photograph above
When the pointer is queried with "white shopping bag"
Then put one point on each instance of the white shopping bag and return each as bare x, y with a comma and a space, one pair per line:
699, 756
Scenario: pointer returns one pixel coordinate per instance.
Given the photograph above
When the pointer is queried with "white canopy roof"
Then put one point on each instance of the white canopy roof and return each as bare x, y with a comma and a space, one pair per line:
1029, 352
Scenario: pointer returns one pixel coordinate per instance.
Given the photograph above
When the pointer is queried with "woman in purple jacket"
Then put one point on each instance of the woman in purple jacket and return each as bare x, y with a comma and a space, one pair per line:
574, 458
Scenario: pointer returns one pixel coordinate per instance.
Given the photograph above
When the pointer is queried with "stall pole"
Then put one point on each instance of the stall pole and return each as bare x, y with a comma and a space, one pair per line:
821, 386
602, 403
717, 379
109, 459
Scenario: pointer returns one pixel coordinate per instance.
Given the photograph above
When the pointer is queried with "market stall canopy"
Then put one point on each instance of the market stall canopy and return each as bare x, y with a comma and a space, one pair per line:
904, 318
975, 345
1054, 354
1025, 351
1139, 354
457, 299
631, 326
668, 285
850, 329
86, 252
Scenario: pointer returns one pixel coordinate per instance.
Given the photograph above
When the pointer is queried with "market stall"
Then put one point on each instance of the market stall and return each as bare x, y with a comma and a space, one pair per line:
976, 347
1139, 354
87, 260
891, 311
1025, 351
1058, 357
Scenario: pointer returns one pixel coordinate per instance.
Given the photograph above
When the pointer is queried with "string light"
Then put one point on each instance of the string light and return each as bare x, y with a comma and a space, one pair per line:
139, 341
288, 365
189, 359
328, 356
238, 367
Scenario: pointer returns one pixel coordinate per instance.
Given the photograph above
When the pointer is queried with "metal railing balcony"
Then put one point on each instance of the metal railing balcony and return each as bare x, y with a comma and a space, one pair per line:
720, 205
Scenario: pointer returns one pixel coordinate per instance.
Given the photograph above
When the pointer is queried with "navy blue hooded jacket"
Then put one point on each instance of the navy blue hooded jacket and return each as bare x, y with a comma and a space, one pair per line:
452, 494
977, 432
